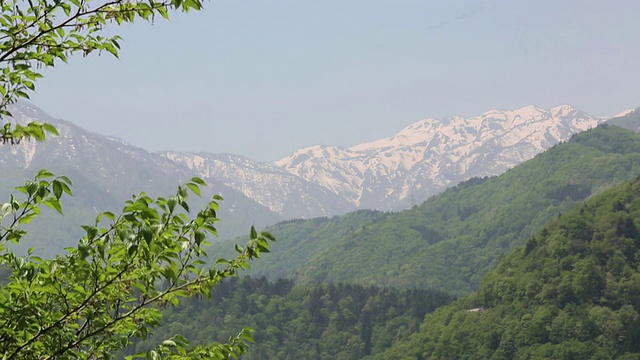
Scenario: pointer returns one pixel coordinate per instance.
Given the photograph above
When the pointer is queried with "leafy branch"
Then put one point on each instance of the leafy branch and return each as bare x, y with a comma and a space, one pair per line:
35, 34
101, 295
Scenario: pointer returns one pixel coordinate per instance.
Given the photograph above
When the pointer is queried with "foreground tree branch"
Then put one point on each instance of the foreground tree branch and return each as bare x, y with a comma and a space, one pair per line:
36, 34
94, 299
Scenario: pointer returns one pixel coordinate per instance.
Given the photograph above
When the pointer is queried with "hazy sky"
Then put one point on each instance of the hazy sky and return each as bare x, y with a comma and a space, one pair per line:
262, 78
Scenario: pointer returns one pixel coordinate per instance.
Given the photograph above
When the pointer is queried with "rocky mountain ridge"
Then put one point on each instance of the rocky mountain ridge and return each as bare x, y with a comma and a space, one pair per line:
393, 173
272, 186
397, 172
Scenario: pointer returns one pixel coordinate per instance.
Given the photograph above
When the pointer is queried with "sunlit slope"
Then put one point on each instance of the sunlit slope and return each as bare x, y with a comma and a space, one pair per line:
572, 291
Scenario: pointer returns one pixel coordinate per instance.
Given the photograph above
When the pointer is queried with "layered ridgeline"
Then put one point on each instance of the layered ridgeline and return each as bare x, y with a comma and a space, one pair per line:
455, 237
629, 119
282, 192
572, 291
396, 172
328, 321
426, 157
105, 172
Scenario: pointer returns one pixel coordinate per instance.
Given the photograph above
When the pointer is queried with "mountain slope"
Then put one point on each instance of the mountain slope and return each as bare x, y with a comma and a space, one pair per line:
397, 172
571, 292
323, 321
629, 120
106, 171
455, 237
431, 155
282, 192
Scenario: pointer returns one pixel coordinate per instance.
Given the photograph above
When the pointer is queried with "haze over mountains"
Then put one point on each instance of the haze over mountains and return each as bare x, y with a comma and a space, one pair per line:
389, 174
397, 172
105, 172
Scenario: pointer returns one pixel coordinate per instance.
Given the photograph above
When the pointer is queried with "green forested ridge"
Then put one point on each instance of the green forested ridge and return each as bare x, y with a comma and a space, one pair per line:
305, 238
572, 291
455, 237
323, 321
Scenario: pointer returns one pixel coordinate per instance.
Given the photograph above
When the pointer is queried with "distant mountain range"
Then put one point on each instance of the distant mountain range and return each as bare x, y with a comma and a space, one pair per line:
398, 172
389, 174
455, 237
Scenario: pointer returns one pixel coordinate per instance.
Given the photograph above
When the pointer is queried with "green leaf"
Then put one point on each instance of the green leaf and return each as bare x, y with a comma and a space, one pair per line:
50, 129
169, 343
198, 181
246, 335
91, 231
43, 174
27, 218
147, 235
57, 189
153, 355
106, 214
53, 204
194, 188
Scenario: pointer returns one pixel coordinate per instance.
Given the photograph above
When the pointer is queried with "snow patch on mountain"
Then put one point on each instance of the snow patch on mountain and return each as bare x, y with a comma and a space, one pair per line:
430, 155
279, 190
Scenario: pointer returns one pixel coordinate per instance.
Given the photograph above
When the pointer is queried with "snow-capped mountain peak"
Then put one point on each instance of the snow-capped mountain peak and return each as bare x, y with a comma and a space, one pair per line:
431, 154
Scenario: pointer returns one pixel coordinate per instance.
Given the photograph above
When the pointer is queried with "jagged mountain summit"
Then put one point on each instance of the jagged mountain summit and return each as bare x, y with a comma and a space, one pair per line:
431, 155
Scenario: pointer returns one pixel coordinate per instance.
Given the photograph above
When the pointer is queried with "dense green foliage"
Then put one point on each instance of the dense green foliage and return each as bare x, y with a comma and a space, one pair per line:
306, 238
455, 237
92, 300
572, 291
324, 321
98, 296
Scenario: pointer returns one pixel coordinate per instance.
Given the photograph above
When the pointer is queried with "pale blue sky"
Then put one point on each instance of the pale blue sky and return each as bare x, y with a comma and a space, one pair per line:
262, 78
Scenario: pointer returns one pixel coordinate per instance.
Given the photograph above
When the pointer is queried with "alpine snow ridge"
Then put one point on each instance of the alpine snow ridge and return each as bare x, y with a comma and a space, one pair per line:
431, 155
274, 187
388, 174
397, 172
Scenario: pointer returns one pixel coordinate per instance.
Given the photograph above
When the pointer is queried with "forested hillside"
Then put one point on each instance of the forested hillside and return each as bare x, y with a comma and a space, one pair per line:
454, 238
572, 291
324, 321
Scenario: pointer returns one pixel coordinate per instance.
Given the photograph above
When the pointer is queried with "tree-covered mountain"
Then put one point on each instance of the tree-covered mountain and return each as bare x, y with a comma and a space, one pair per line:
323, 321
572, 291
454, 238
